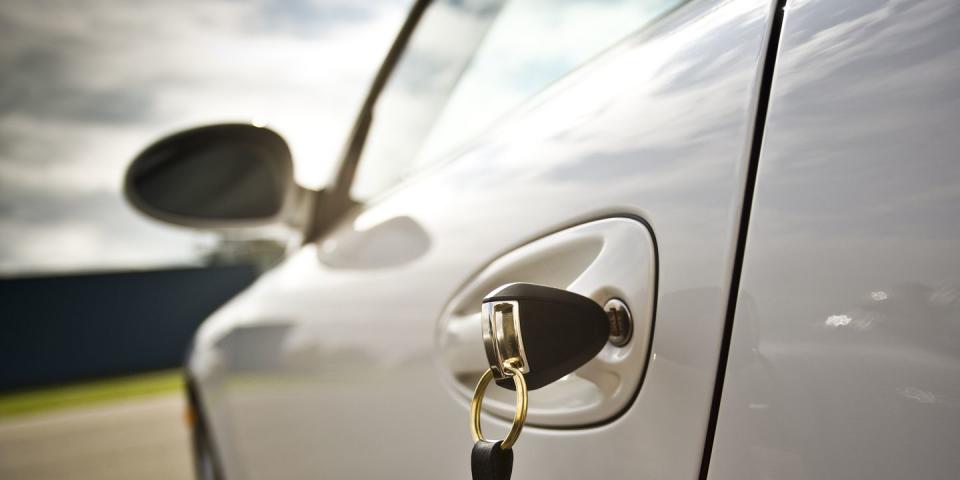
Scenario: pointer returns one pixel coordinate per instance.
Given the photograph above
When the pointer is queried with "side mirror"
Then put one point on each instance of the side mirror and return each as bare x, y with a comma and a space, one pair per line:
219, 176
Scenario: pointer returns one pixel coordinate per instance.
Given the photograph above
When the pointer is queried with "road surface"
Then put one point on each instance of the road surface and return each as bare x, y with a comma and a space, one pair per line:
141, 438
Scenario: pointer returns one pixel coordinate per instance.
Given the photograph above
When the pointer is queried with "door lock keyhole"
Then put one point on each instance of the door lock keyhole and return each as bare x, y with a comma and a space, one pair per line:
621, 323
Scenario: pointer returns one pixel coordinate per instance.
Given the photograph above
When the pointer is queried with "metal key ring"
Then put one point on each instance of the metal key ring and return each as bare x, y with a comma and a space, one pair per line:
518, 418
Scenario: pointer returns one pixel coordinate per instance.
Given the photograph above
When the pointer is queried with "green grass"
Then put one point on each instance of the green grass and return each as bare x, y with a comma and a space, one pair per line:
89, 393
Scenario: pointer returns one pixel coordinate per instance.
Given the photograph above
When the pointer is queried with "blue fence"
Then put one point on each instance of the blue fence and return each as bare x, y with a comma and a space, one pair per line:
68, 328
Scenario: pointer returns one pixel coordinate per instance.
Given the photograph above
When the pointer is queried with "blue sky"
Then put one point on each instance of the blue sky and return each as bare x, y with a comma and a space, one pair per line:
87, 84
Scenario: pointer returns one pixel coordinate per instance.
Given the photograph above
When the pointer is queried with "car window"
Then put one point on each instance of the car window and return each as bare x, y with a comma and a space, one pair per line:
471, 62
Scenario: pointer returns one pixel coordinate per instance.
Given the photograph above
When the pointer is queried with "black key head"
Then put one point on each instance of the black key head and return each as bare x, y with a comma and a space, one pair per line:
551, 332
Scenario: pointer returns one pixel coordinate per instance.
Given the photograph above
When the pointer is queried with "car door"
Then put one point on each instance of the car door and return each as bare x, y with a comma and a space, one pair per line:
603, 148
845, 352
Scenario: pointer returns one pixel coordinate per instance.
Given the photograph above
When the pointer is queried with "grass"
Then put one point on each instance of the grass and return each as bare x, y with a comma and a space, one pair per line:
89, 393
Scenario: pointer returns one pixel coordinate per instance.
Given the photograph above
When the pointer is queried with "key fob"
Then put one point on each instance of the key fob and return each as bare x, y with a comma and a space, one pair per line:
489, 461
549, 332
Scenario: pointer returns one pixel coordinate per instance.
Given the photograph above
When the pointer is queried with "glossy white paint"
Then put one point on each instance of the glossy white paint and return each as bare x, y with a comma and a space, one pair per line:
328, 366
602, 260
845, 357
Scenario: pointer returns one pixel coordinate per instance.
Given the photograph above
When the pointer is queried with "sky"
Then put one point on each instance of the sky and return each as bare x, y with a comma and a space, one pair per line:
87, 84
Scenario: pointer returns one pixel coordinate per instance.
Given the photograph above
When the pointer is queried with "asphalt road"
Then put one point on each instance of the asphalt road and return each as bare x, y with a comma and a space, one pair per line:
143, 439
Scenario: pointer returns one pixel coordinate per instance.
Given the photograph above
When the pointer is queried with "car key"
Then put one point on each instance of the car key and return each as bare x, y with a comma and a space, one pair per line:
551, 331
533, 335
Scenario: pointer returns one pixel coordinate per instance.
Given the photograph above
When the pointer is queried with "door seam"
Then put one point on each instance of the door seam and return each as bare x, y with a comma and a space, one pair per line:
760, 119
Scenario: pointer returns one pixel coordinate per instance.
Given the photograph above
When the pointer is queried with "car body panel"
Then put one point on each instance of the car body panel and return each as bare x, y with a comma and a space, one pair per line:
328, 365
845, 354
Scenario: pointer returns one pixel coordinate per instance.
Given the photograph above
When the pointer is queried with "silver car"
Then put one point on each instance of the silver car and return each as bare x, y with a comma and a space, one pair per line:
764, 195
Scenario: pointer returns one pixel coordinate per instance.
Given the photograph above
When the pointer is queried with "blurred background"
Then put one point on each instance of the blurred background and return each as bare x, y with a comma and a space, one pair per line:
85, 86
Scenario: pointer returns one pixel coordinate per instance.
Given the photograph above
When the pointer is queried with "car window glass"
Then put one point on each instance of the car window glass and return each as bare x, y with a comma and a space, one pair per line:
532, 44
435, 57
521, 47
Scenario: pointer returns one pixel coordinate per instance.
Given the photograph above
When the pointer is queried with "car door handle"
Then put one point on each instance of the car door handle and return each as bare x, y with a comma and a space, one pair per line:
609, 262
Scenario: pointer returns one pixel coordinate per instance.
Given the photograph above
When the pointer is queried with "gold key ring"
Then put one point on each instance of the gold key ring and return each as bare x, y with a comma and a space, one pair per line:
519, 417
